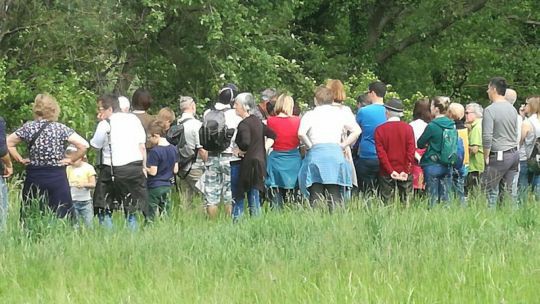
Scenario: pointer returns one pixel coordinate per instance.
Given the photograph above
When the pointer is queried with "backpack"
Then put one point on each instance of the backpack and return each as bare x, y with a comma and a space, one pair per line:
533, 161
213, 133
448, 155
176, 136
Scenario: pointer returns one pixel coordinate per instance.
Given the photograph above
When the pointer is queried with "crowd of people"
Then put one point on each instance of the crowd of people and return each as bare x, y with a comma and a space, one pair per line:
240, 149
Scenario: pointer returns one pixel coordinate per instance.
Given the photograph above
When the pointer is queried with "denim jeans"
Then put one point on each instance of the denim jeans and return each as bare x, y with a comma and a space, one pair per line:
458, 182
105, 218
83, 212
367, 172
526, 181
254, 203
3, 204
438, 183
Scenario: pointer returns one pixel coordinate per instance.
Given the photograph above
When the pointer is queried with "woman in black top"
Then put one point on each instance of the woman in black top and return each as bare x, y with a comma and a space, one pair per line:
250, 139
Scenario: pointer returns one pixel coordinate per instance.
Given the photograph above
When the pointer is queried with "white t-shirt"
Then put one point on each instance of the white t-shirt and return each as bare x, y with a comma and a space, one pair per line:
326, 123
418, 126
127, 133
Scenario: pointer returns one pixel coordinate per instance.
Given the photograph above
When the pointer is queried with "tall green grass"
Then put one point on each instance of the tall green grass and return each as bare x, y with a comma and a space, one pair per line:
377, 255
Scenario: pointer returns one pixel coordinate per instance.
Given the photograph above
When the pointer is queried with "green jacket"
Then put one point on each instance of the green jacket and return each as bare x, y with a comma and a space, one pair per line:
432, 138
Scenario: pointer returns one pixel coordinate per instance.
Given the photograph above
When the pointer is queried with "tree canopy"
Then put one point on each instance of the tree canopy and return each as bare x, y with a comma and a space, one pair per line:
79, 49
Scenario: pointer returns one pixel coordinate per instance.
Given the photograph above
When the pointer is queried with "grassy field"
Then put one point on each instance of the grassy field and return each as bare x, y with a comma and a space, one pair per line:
382, 255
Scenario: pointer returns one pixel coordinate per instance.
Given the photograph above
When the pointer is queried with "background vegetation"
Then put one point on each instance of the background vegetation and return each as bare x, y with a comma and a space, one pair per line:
78, 49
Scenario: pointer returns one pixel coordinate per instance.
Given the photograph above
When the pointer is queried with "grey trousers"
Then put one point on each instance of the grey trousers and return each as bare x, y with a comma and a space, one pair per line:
498, 171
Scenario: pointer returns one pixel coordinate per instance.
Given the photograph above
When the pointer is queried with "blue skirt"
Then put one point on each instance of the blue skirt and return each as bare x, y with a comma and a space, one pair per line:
282, 169
324, 164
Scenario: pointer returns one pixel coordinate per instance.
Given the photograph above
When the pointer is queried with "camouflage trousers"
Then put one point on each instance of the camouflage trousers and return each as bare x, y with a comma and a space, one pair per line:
217, 180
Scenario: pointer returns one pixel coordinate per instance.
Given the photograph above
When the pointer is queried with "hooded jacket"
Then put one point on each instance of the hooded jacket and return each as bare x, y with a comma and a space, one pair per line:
432, 139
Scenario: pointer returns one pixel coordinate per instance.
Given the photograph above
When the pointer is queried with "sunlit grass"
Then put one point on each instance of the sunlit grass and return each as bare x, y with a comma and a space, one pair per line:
378, 255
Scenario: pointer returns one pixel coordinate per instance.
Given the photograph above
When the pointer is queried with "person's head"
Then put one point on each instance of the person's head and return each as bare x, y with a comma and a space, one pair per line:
268, 94
496, 88
394, 108
422, 110
473, 111
455, 111
323, 96
439, 105
186, 104
362, 100
107, 105
376, 90
124, 103
156, 130
70, 150
141, 100
167, 116
284, 104
337, 88
227, 94
532, 105
46, 107
244, 104
511, 96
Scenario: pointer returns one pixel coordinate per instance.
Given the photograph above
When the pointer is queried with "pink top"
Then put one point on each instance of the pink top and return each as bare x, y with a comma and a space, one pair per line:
286, 129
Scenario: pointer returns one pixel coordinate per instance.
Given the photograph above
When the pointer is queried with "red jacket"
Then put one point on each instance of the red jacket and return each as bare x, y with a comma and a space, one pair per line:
394, 142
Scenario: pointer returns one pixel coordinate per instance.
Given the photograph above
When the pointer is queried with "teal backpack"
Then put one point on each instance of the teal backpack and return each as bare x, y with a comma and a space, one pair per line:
448, 156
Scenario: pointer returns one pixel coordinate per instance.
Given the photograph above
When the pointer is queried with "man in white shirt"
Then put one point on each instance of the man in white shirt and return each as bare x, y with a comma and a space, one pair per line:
222, 168
121, 138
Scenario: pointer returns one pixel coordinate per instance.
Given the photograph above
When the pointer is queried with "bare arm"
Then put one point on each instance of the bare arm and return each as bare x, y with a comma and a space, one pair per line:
153, 170
12, 141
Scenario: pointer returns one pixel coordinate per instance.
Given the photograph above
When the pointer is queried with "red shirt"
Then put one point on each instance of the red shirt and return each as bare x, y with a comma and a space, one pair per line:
286, 129
394, 142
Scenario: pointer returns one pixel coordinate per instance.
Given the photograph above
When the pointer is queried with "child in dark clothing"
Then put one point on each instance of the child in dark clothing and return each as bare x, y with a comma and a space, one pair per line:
162, 164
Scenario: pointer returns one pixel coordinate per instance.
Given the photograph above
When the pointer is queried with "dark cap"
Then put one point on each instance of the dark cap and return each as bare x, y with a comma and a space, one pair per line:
394, 105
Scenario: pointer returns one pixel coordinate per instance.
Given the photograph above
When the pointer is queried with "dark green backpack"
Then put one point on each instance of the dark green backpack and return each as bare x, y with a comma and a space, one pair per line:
448, 156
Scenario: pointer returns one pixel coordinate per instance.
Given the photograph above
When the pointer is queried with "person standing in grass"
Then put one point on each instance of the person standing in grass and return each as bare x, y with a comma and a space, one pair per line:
6, 169
46, 183
324, 170
284, 161
394, 141
421, 118
82, 179
251, 148
369, 118
437, 171
499, 138
473, 117
530, 131
162, 164
456, 112
121, 138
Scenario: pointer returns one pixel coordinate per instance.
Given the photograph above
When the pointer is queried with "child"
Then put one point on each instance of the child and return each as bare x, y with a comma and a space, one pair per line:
167, 116
82, 178
162, 164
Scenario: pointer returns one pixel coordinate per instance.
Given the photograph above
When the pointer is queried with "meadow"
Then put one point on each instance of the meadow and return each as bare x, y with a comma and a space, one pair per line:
358, 255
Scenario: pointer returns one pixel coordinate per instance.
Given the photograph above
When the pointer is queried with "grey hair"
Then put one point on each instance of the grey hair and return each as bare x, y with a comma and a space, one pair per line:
392, 114
476, 108
184, 102
247, 101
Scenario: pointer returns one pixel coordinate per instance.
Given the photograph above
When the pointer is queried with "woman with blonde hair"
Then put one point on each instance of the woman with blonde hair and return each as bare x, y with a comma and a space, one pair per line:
338, 90
46, 181
456, 112
324, 170
530, 131
284, 161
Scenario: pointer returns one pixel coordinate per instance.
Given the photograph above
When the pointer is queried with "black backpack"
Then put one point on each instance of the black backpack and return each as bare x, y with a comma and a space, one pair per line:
176, 136
213, 134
